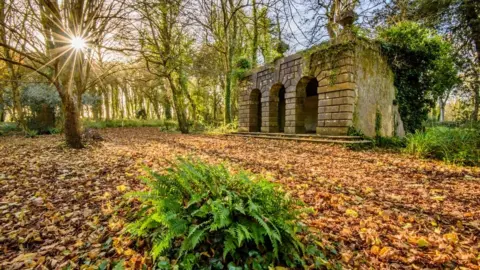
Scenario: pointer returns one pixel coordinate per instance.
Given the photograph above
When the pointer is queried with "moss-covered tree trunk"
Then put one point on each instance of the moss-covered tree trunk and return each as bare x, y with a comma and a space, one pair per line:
231, 40
167, 106
179, 105
476, 103
106, 102
255, 34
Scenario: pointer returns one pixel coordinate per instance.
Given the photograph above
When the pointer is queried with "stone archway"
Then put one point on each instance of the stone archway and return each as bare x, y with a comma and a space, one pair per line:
277, 106
255, 111
306, 115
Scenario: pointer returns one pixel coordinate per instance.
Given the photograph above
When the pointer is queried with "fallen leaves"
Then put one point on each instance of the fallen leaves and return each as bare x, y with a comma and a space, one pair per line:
351, 213
62, 207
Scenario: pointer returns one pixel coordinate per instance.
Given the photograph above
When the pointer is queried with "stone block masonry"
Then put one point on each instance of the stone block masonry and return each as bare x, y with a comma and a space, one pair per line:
330, 85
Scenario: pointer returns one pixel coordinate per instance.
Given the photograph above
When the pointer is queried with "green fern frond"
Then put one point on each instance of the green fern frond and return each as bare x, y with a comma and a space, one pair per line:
228, 245
203, 217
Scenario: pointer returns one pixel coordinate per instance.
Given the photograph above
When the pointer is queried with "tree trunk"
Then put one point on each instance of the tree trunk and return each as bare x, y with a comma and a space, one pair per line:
14, 76
476, 103
228, 93
71, 120
114, 103
472, 19
79, 103
255, 34
106, 102
184, 89
17, 106
128, 104
231, 40
441, 105
2, 107
156, 110
168, 109
179, 106
473, 22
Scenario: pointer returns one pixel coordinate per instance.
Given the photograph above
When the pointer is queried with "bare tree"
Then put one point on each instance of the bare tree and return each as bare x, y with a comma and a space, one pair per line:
14, 72
59, 32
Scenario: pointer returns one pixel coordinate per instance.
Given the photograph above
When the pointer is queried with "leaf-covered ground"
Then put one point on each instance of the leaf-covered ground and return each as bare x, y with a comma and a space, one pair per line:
60, 206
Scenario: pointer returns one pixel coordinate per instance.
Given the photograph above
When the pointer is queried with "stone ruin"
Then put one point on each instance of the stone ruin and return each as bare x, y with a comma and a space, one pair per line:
332, 89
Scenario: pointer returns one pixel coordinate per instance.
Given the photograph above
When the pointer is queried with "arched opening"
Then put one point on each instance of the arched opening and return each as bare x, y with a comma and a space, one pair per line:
277, 106
311, 107
255, 112
307, 101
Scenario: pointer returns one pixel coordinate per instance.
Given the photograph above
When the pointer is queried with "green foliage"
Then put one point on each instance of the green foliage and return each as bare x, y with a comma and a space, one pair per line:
141, 114
8, 127
378, 123
199, 216
167, 125
354, 132
43, 102
91, 99
389, 142
31, 133
242, 66
37, 95
423, 66
281, 47
223, 129
243, 63
453, 145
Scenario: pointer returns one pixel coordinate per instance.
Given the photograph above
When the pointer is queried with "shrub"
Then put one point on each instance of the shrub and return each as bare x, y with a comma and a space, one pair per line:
31, 133
455, 145
389, 142
199, 216
169, 125
141, 114
8, 127
222, 129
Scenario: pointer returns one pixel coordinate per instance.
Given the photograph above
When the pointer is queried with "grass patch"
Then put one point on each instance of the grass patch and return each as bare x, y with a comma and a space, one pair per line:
222, 129
164, 125
393, 143
453, 145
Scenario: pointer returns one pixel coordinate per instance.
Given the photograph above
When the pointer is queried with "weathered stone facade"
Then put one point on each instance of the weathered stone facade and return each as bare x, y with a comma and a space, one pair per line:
326, 90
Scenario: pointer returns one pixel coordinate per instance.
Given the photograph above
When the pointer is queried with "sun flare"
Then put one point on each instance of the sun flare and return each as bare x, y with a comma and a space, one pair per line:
78, 43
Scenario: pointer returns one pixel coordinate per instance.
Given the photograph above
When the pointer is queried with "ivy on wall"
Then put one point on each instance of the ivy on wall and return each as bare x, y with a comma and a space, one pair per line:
423, 68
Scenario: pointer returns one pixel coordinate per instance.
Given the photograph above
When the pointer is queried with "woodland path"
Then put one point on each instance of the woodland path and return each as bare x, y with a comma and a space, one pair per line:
382, 209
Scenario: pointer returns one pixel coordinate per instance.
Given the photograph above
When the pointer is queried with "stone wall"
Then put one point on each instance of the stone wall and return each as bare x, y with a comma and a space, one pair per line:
374, 109
335, 72
355, 88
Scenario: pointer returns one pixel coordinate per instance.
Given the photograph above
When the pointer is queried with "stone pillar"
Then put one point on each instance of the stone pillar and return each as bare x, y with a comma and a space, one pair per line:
273, 115
244, 107
253, 115
336, 95
292, 106
265, 112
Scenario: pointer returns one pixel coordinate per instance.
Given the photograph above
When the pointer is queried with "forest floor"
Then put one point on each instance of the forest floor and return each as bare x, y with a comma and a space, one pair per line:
60, 206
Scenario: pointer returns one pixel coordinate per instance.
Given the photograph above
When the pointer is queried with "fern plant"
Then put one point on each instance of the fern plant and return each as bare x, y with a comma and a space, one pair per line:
199, 216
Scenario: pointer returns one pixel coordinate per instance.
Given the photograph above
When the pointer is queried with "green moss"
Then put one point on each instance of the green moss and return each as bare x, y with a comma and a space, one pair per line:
378, 123
333, 76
